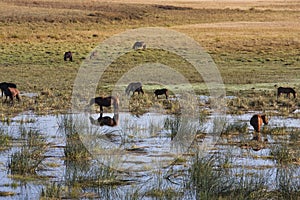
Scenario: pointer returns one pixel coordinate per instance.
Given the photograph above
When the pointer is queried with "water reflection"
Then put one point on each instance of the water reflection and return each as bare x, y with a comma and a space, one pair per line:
66, 158
106, 120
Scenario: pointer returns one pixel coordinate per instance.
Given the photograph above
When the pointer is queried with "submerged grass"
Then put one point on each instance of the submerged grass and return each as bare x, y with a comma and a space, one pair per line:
209, 180
29, 158
283, 154
5, 139
75, 149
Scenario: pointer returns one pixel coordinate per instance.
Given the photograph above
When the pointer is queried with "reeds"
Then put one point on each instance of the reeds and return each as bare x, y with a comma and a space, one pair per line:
29, 158
282, 154
5, 139
72, 128
208, 179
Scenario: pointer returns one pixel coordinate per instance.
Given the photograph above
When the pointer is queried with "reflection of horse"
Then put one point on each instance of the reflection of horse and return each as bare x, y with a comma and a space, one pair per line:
139, 45
11, 93
257, 120
161, 92
68, 55
105, 101
106, 120
134, 87
287, 91
5, 86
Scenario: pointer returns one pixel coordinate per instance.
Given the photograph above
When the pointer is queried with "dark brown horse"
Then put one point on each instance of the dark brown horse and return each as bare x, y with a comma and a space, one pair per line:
257, 120
134, 87
5, 86
106, 120
161, 92
11, 93
68, 55
106, 102
287, 91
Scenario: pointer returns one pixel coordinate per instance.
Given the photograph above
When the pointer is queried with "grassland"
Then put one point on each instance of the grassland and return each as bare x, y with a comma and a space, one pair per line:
255, 44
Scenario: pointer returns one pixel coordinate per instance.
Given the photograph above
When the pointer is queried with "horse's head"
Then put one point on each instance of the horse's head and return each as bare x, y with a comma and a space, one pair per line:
127, 91
265, 119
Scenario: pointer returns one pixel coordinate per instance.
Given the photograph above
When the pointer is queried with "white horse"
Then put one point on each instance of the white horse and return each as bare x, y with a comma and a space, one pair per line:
139, 45
134, 87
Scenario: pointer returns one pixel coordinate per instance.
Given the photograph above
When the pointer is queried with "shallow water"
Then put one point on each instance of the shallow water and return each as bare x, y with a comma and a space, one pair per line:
144, 142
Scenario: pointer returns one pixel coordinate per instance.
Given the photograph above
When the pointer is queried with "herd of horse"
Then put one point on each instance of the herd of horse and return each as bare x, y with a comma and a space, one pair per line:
256, 120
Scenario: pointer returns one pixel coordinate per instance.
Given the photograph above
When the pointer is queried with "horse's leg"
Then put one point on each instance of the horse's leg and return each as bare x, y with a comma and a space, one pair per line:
18, 97
101, 109
11, 99
5, 99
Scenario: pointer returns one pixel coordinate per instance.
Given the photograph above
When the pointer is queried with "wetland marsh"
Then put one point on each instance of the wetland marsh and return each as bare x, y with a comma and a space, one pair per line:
49, 152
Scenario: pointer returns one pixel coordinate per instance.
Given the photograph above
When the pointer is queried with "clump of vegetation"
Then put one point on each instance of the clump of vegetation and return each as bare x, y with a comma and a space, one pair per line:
182, 127
74, 149
234, 128
288, 186
29, 158
209, 180
52, 191
159, 193
5, 139
282, 154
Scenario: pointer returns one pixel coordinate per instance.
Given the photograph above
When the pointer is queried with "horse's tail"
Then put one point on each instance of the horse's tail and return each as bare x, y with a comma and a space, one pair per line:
254, 121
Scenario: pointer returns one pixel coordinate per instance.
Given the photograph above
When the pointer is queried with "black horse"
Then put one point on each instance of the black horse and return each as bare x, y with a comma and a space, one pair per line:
105, 101
287, 91
134, 87
106, 120
161, 92
4, 86
68, 55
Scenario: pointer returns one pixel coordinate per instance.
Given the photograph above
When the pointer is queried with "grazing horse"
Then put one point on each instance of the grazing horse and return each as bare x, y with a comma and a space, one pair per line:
161, 92
134, 87
257, 120
105, 101
287, 91
4, 86
106, 120
139, 45
68, 55
11, 93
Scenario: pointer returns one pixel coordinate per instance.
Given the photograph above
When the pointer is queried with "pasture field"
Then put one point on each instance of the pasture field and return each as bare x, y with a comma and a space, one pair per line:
254, 44
44, 149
